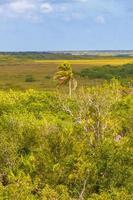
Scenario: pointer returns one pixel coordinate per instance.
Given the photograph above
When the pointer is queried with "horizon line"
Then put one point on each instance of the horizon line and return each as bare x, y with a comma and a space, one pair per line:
28, 51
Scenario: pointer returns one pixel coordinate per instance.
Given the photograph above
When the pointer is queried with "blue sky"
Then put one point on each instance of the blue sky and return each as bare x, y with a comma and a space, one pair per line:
41, 25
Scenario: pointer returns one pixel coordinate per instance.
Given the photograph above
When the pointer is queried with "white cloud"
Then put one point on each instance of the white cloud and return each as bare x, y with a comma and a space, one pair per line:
82, 1
46, 7
100, 19
63, 9
21, 6
1, 10
73, 16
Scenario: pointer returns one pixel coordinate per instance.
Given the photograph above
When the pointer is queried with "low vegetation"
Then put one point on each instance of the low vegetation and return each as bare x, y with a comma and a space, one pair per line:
92, 70
53, 147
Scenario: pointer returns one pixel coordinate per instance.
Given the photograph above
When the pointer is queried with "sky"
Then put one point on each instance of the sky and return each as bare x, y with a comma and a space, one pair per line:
44, 25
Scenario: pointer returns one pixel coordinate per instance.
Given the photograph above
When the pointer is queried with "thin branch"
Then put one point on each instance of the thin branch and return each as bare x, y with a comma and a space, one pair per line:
81, 196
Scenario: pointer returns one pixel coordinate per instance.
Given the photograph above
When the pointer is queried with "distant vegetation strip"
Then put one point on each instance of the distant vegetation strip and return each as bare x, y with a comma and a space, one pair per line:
93, 62
61, 56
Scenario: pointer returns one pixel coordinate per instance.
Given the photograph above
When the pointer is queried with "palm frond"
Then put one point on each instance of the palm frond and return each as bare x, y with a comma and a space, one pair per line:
65, 67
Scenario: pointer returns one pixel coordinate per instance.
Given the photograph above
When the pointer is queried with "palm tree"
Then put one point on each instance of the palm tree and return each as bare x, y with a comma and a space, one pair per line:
65, 75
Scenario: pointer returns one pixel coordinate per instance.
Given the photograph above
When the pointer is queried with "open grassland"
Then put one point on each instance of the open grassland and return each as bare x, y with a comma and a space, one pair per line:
22, 72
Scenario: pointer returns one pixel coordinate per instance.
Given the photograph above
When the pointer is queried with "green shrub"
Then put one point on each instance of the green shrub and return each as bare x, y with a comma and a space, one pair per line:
29, 78
108, 72
47, 77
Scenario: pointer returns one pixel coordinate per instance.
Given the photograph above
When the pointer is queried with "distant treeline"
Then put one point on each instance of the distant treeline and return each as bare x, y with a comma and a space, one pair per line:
57, 56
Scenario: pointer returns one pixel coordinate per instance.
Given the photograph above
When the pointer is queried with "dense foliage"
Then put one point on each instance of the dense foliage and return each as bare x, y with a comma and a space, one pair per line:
57, 148
108, 72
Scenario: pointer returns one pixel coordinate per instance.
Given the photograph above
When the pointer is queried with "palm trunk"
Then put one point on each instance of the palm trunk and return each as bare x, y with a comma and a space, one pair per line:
70, 88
